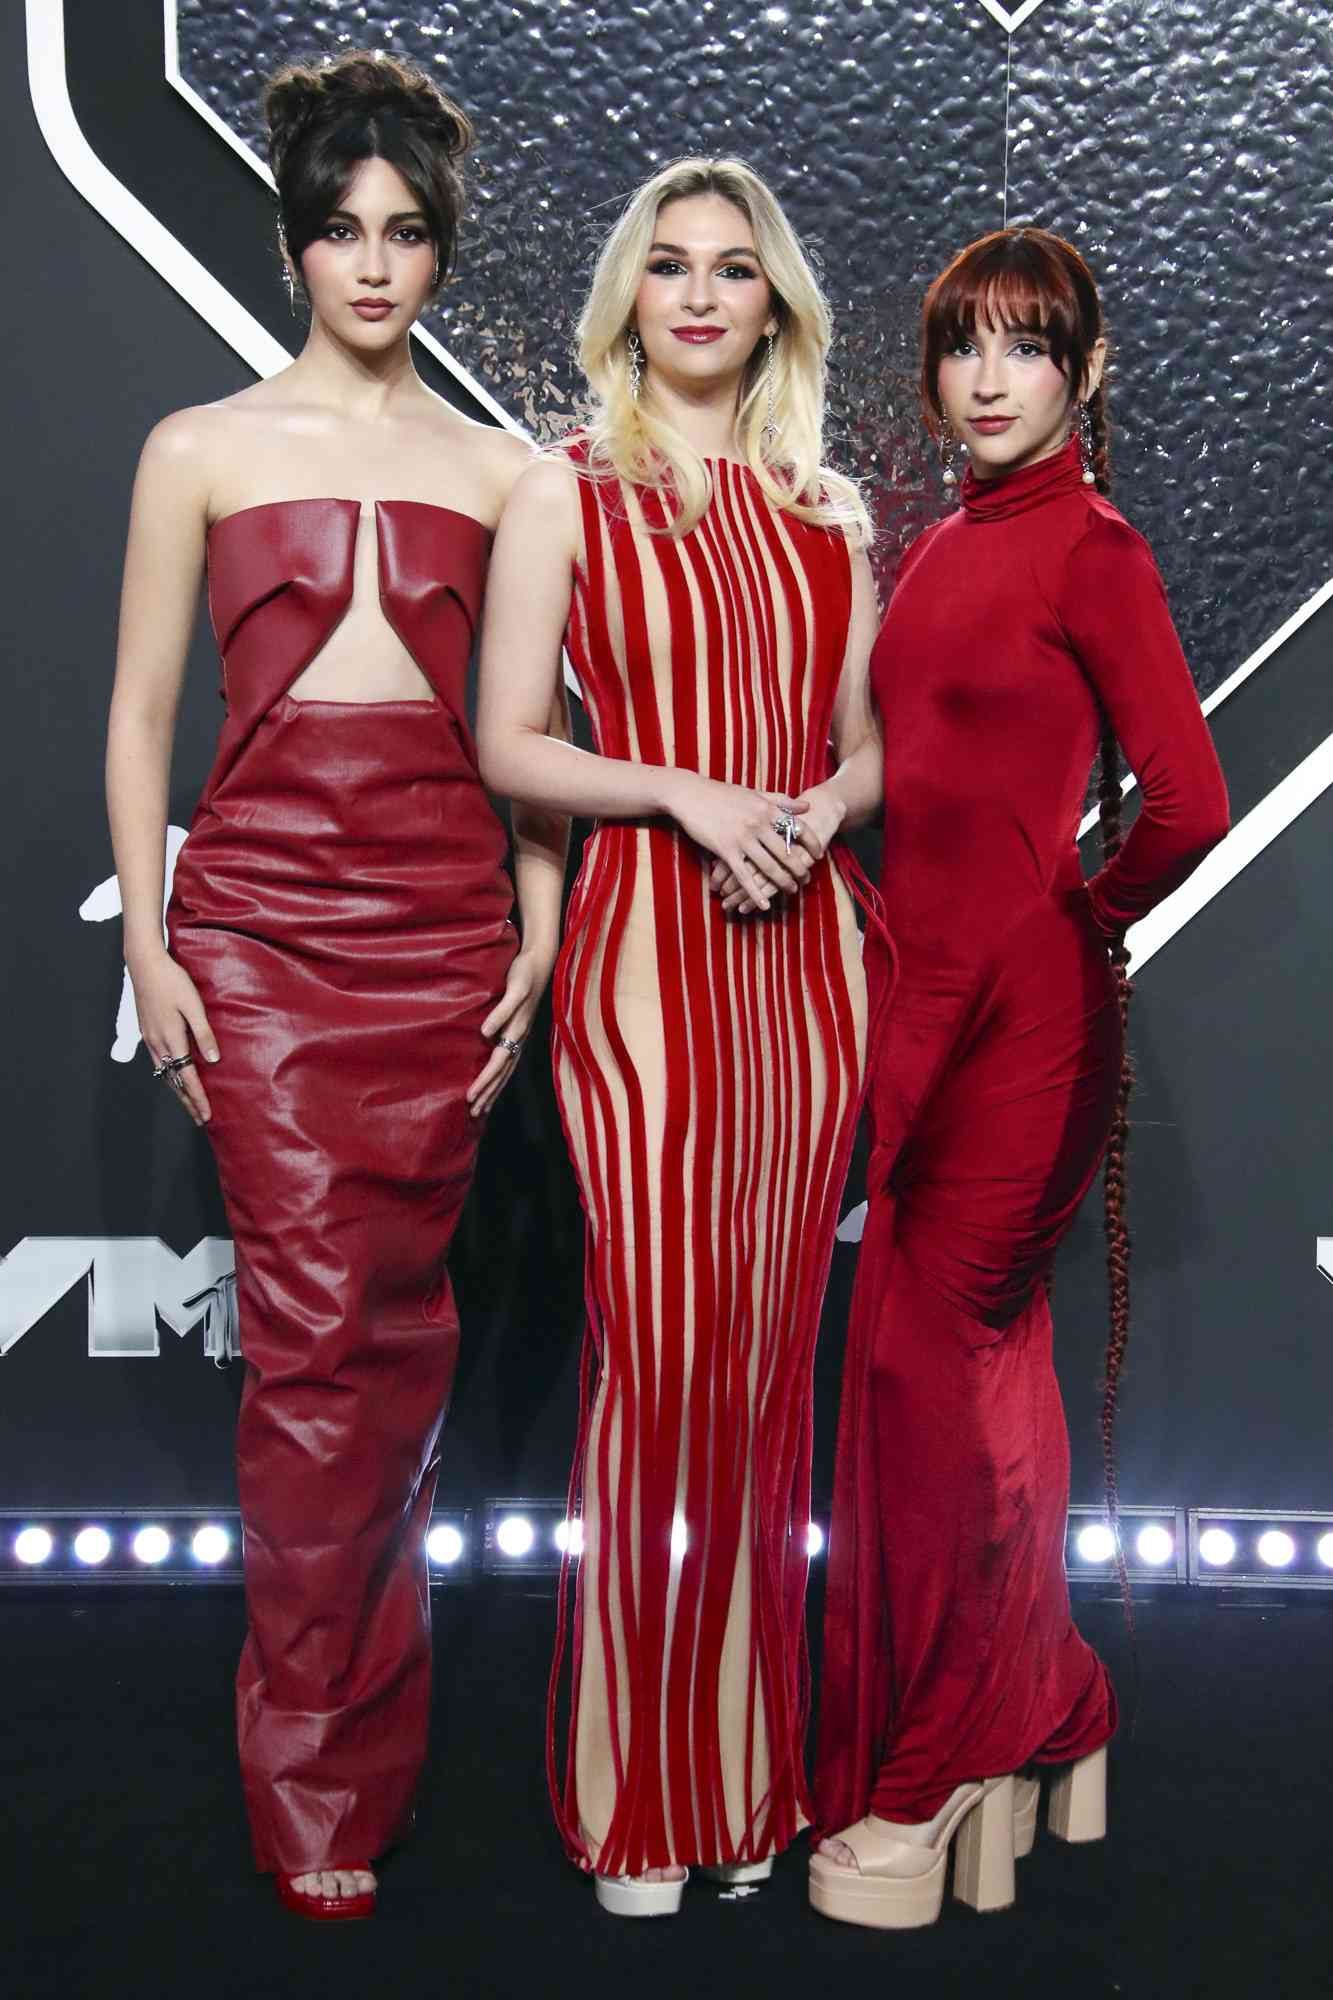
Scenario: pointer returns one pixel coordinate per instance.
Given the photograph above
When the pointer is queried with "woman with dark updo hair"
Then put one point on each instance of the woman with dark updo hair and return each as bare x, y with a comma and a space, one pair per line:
342, 995
1026, 630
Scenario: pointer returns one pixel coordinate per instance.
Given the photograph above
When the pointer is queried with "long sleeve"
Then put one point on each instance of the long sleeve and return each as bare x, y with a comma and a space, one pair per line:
1113, 608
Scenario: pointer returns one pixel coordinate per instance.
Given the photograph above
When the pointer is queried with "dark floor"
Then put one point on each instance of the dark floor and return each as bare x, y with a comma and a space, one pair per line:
124, 1867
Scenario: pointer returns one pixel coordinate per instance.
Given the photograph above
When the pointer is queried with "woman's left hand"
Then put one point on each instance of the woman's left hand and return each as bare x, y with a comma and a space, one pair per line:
820, 813
508, 1021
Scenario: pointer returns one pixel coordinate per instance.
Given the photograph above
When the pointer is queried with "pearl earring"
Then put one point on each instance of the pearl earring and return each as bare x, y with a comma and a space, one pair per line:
948, 464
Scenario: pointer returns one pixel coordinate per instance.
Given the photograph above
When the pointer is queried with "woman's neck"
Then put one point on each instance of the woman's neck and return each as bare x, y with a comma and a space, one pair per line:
345, 378
708, 422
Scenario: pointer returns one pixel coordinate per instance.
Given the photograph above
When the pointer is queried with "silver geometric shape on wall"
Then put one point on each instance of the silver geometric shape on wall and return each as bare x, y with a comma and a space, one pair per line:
1010, 18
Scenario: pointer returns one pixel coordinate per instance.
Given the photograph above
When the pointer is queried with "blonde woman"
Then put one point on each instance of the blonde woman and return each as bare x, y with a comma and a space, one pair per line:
707, 576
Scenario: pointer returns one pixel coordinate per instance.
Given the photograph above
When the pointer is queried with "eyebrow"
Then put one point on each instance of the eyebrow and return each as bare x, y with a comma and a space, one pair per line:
739, 250
403, 215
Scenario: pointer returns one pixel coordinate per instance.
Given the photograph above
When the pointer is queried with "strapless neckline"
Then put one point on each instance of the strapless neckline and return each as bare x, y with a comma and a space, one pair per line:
341, 500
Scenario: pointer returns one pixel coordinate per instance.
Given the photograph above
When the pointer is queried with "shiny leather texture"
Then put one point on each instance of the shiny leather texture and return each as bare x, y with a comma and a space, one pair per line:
341, 903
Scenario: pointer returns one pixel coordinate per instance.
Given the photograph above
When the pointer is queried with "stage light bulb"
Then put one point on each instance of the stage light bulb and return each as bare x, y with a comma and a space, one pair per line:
92, 1545
211, 1544
1095, 1543
152, 1545
1276, 1548
514, 1536
1156, 1545
814, 1540
569, 1537
444, 1545
1324, 1550
1217, 1548
32, 1545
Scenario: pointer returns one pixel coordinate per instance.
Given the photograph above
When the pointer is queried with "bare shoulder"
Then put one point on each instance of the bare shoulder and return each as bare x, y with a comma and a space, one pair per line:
547, 490
486, 458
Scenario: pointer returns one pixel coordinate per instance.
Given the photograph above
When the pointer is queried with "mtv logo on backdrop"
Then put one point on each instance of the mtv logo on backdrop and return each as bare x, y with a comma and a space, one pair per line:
131, 1281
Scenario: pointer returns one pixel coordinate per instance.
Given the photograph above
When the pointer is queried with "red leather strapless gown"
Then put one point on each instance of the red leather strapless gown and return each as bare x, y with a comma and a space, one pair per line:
342, 905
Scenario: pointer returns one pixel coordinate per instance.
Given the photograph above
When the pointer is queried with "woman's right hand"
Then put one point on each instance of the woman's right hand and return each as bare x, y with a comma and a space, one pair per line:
171, 1018
736, 825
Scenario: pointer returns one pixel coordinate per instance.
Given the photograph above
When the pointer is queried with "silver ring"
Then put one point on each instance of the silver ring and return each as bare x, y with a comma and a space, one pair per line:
170, 1064
788, 826
512, 1047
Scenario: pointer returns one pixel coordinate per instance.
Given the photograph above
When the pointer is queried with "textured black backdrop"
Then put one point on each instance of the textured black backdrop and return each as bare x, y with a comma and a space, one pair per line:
1215, 273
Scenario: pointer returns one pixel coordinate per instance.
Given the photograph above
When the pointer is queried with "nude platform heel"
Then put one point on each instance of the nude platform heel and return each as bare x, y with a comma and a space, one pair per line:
898, 1880
1076, 1809
1027, 1798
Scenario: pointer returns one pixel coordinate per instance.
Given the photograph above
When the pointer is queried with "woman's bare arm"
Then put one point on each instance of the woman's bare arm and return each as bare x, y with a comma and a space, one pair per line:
163, 566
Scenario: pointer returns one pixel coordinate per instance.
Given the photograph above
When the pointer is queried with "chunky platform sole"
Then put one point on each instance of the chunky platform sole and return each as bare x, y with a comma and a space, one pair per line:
627, 1896
899, 1885
323, 1909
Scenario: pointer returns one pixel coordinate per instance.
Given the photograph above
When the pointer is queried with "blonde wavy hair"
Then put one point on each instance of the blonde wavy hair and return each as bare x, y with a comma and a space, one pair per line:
631, 438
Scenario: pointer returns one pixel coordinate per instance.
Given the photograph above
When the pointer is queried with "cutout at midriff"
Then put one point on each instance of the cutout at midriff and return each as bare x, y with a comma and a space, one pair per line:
363, 660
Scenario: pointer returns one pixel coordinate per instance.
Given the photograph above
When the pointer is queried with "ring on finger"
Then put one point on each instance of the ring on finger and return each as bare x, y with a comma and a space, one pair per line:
787, 827
171, 1065
511, 1048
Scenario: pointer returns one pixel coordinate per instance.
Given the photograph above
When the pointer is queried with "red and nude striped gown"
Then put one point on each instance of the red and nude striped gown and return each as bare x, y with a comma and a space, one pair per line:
709, 1074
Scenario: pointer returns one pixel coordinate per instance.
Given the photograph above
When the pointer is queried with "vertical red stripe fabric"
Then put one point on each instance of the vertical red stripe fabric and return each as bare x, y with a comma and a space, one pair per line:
709, 1076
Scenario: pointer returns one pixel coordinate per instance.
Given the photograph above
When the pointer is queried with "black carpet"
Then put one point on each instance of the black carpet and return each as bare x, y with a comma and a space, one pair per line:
124, 1866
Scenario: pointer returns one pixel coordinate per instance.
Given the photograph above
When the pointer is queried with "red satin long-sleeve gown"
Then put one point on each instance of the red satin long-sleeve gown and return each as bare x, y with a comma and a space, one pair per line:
342, 905
709, 1074
1016, 626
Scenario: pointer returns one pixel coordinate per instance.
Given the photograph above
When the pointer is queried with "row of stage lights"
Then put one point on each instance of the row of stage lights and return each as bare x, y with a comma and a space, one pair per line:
1204, 1546
1201, 1546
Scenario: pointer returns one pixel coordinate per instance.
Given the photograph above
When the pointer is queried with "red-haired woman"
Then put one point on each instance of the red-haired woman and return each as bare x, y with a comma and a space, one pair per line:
1024, 628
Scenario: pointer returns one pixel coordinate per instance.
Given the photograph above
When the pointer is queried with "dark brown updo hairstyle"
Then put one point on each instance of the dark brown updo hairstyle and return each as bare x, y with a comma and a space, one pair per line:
1032, 279
325, 118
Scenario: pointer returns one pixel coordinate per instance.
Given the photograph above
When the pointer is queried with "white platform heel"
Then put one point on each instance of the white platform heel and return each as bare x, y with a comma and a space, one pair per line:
898, 1880
1076, 1809
631, 1896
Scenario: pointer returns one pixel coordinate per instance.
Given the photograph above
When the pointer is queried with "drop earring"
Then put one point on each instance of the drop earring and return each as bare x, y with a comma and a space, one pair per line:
635, 346
769, 434
289, 283
948, 462
1083, 426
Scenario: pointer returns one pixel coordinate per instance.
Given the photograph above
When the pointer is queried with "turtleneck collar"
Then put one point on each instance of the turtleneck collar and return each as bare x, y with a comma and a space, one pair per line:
1031, 486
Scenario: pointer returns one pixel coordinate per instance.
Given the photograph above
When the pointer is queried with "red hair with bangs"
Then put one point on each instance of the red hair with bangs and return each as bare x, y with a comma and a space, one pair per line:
1027, 278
